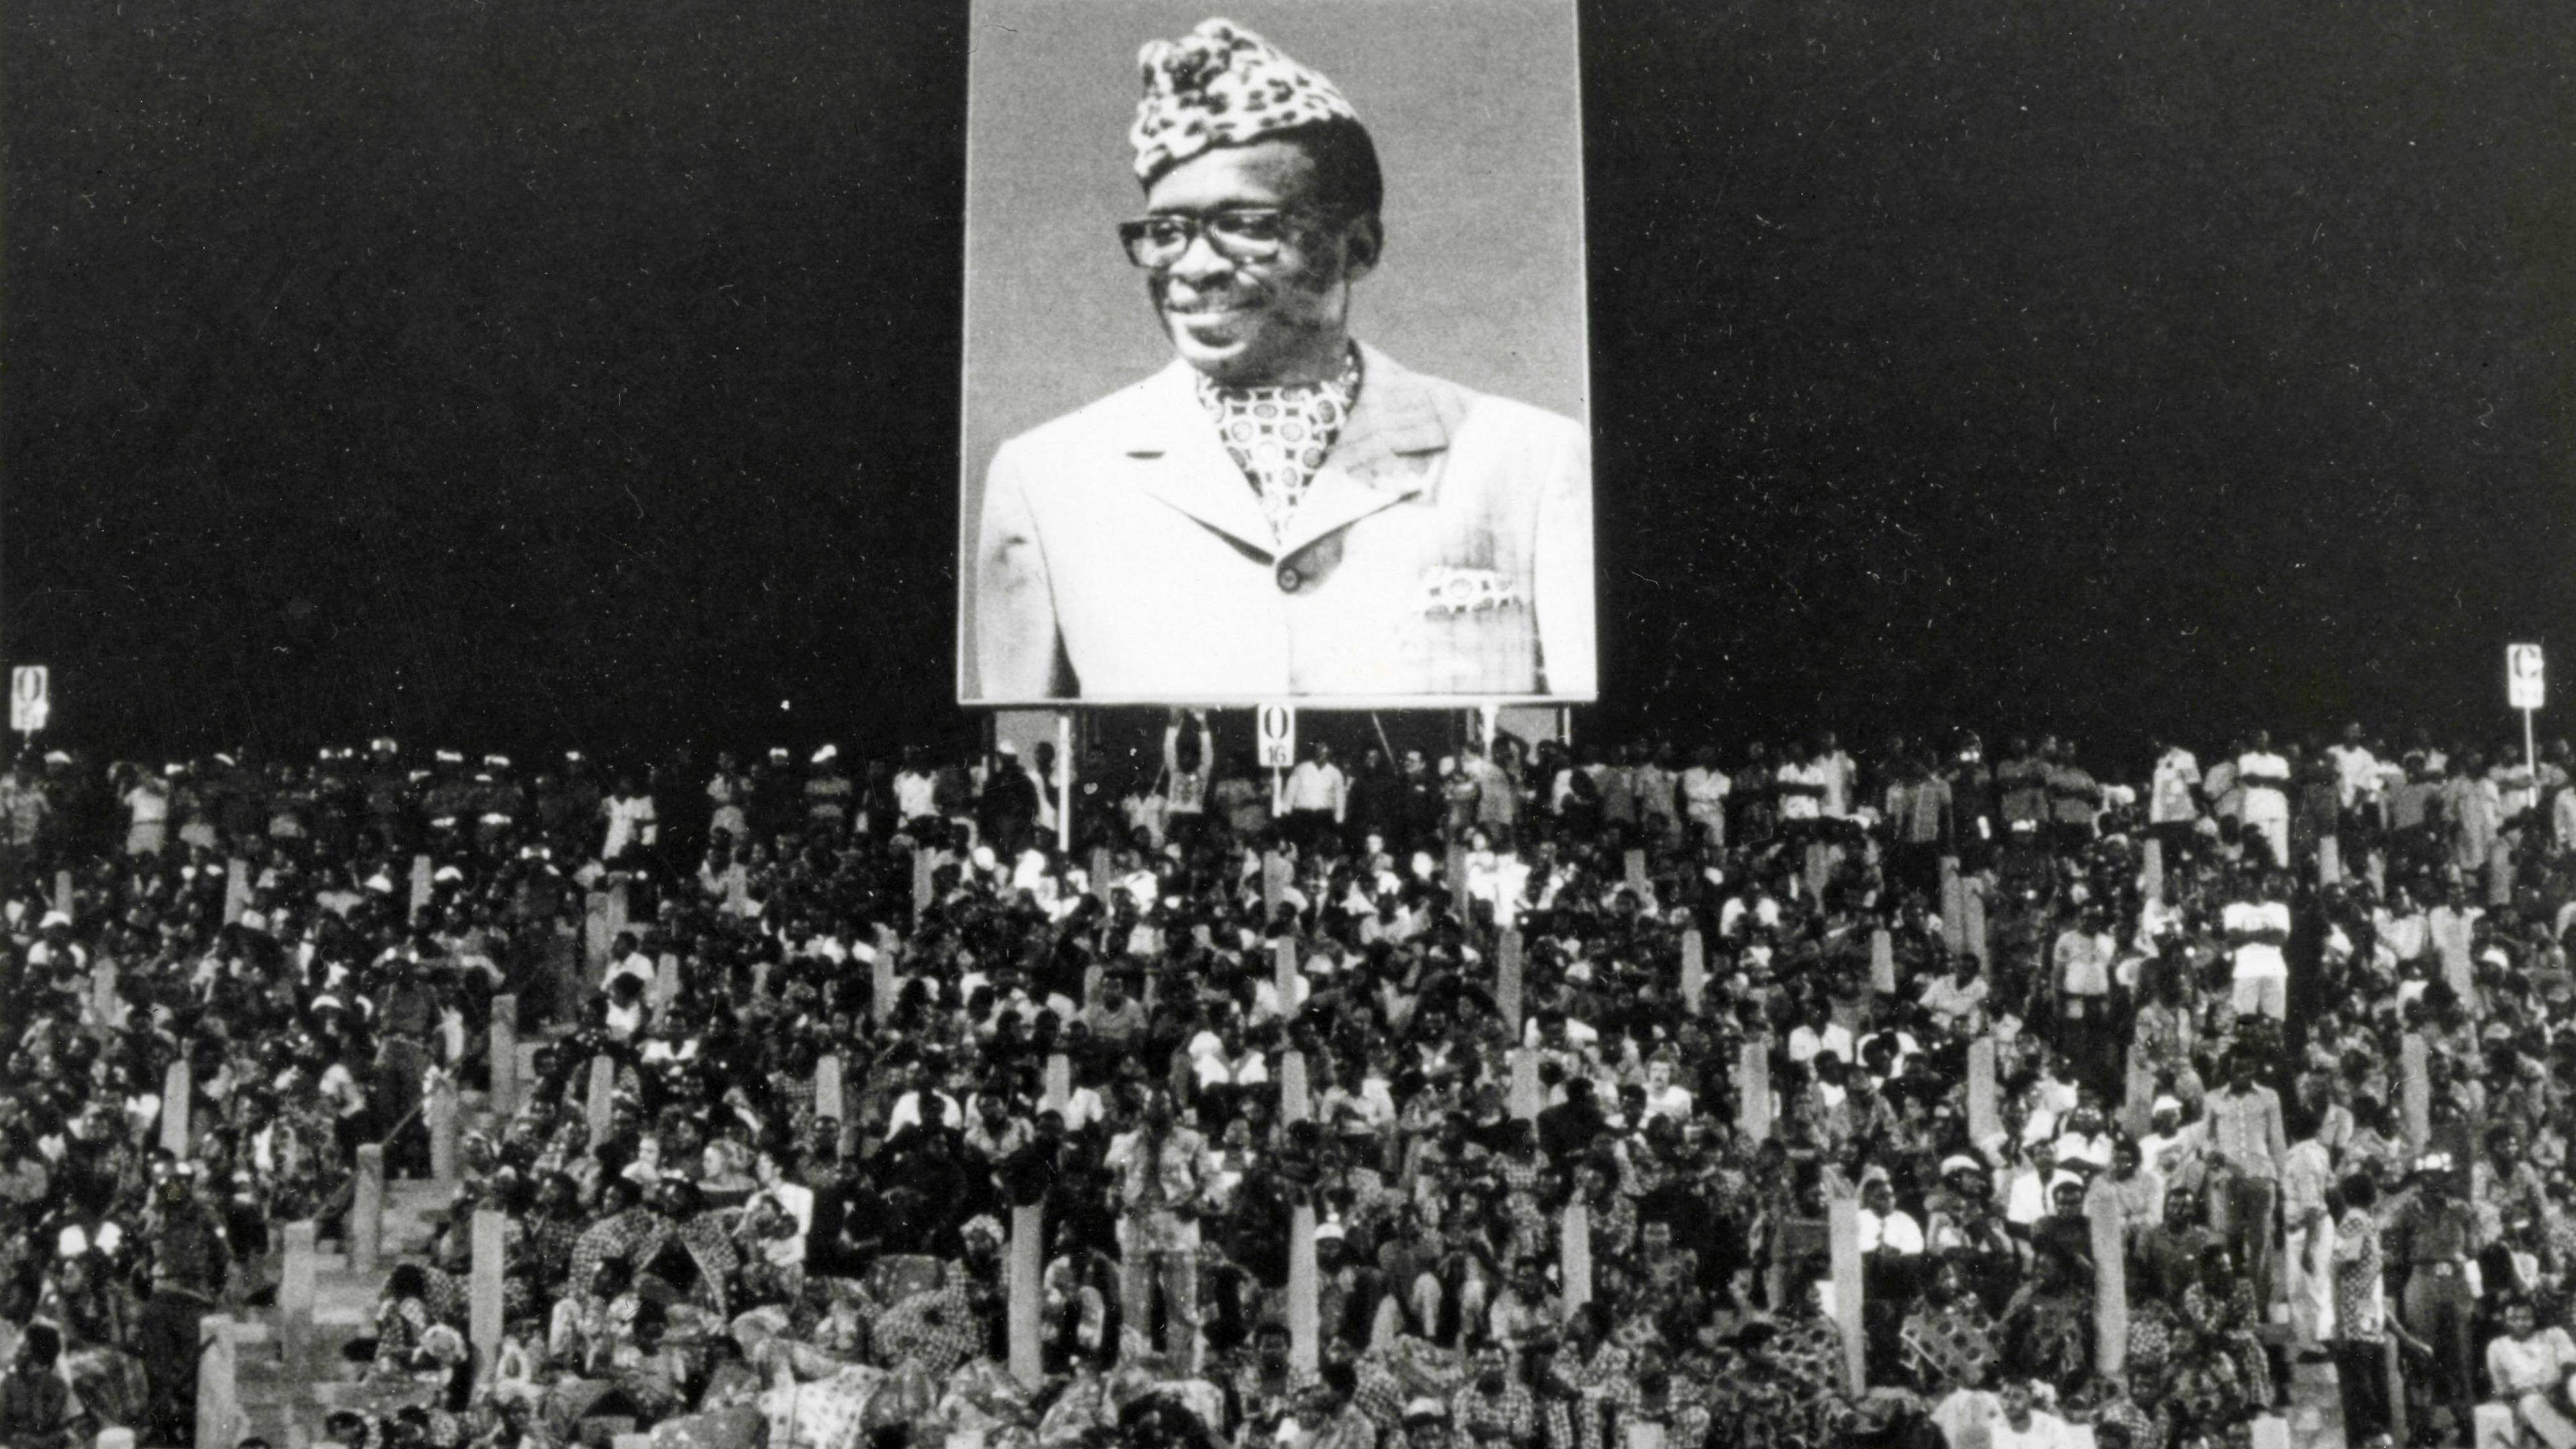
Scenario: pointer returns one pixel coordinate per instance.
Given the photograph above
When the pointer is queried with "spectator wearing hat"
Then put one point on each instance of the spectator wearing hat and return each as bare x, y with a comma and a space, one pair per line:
191, 1264
2432, 1240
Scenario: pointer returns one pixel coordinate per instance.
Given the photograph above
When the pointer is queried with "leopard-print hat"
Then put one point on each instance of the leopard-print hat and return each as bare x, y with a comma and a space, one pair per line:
1222, 85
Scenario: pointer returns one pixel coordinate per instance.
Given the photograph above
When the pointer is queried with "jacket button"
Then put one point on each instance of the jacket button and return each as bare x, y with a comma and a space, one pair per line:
1290, 581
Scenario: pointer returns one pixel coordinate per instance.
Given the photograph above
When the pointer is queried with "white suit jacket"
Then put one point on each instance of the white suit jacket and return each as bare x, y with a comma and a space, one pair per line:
1445, 547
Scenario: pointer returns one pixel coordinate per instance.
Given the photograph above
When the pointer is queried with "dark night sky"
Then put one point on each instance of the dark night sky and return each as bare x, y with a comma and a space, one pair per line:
585, 372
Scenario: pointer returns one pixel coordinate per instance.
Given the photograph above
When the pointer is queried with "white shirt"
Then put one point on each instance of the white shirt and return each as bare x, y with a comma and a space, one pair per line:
2356, 773
1730, 917
636, 964
1670, 1101
1704, 793
1894, 1233
2046, 1431
2268, 797
1805, 1042
907, 1112
1314, 786
2169, 800
1803, 806
915, 794
630, 823
1838, 770
2258, 960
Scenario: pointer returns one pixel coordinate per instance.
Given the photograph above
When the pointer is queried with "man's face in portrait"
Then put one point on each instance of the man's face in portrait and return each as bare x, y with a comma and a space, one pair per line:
1258, 290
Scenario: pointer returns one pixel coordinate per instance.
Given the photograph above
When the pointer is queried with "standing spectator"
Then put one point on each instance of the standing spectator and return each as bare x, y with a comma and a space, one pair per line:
2431, 1240
1704, 791
1244, 799
630, 823
190, 1265
2257, 923
1189, 758
23, 809
2248, 1147
2264, 777
2360, 1315
147, 813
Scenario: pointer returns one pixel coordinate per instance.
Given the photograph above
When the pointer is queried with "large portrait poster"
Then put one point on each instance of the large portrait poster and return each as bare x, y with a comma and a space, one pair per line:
1275, 368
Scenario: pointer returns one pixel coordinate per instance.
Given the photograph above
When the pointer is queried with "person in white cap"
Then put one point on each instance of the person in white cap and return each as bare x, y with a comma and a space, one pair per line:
1282, 510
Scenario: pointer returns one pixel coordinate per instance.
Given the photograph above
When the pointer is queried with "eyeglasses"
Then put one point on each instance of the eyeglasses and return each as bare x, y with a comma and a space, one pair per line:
1238, 233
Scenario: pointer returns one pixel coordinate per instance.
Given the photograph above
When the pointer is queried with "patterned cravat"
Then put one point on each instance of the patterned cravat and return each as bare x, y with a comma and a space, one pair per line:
1279, 436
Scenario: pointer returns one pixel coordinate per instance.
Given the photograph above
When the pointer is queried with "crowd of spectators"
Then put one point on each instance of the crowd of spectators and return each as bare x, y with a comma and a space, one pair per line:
2215, 1053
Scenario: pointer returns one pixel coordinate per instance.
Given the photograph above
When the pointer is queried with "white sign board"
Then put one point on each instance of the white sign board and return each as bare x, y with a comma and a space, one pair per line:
1278, 737
2523, 681
30, 698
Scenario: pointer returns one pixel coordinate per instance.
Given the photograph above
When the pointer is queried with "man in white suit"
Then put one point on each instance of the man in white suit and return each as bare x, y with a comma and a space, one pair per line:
1282, 511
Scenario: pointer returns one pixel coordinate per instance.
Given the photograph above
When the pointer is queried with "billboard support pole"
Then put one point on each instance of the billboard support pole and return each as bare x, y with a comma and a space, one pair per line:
1064, 782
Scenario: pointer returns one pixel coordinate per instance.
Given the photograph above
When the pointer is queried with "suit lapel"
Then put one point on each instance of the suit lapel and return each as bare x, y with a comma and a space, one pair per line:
1383, 457
1182, 463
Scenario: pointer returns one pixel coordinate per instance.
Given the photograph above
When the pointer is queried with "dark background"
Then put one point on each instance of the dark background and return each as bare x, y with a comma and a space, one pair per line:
586, 372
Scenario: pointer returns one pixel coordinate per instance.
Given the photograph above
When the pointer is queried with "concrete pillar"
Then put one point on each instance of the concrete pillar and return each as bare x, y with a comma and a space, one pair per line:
64, 896
1289, 978
106, 1008
1985, 1119
2416, 1092
2138, 1101
366, 1229
446, 1128
1633, 875
1059, 1081
178, 1093
925, 889
1954, 907
483, 1295
1528, 1096
2110, 1286
1028, 1270
220, 1420
1694, 971
830, 1098
1882, 962
504, 1062
1296, 1097
1305, 1316
423, 885
1842, 1227
236, 890
1753, 1091
601, 1105
295, 1293
666, 983
1508, 964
